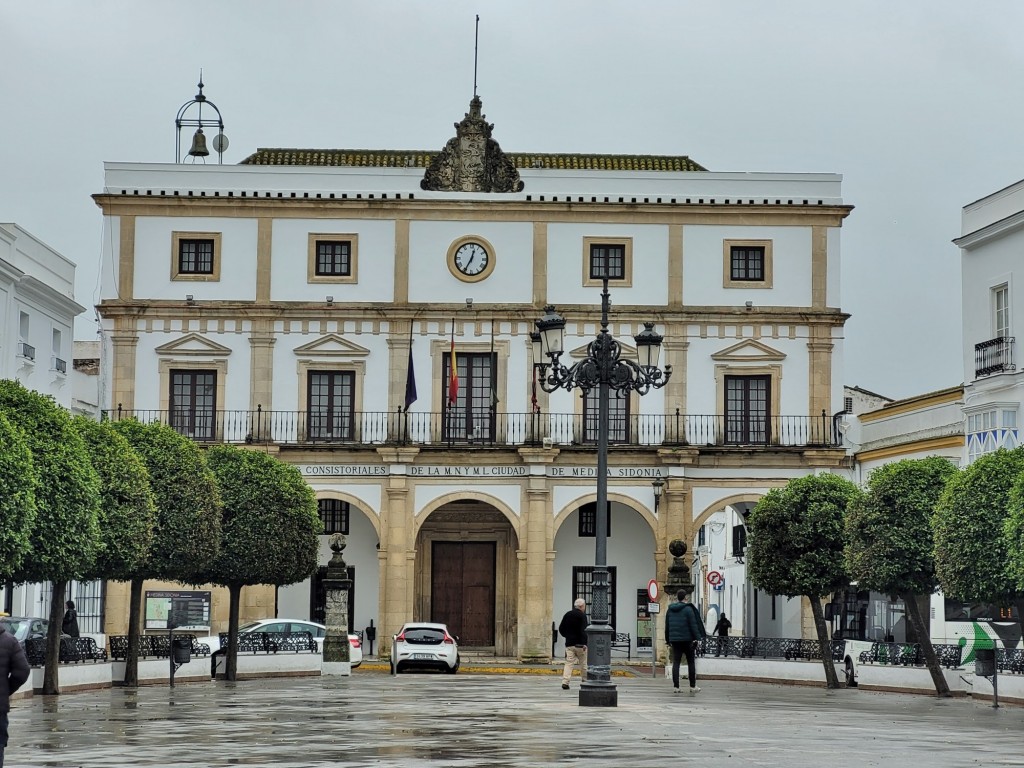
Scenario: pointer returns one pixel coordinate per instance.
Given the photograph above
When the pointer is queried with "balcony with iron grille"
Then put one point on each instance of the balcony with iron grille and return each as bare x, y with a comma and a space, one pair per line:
994, 356
356, 429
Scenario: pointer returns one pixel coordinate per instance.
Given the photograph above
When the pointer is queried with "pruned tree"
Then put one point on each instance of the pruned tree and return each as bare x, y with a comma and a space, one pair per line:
127, 509
889, 546
795, 546
270, 531
18, 484
65, 535
186, 536
972, 556
1013, 531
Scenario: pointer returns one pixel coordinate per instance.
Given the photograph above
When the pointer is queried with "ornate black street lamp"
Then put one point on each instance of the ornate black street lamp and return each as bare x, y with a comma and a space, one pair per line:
604, 368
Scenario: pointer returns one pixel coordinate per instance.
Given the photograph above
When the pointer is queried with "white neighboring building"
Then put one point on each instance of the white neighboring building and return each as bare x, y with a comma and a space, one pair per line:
85, 380
37, 313
930, 424
859, 400
992, 257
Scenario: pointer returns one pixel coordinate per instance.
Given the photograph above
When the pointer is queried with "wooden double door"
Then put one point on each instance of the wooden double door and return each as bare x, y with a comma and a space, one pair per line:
462, 589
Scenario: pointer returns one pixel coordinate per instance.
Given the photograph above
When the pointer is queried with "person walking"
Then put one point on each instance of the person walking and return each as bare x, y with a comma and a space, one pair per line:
574, 629
683, 629
14, 672
70, 624
721, 629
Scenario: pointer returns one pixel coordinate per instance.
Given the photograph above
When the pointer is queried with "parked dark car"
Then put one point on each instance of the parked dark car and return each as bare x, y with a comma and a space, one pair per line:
25, 627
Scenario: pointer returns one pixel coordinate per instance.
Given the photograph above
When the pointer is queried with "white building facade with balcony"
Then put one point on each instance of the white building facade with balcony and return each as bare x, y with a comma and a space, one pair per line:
313, 303
37, 314
992, 261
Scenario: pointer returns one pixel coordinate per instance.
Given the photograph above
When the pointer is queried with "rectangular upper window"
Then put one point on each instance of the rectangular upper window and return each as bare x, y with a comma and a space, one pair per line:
1001, 311
748, 263
332, 258
610, 257
195, 256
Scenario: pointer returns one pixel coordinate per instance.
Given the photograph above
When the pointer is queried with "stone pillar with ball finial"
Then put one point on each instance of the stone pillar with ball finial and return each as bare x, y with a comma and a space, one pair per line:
679, 570
337, 584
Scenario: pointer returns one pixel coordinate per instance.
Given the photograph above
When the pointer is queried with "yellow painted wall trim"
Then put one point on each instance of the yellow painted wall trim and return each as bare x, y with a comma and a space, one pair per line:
933, 444
930, 401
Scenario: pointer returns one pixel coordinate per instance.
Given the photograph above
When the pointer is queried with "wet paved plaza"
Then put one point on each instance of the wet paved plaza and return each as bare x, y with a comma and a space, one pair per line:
373, 719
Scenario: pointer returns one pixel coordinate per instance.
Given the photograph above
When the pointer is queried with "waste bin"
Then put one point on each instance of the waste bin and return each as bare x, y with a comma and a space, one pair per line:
182, 650
985, 661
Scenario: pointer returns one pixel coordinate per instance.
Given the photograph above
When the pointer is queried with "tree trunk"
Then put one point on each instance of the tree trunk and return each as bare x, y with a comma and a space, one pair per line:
51, 678
1018, 603
231, 666
831, 681
131, 662
931, 661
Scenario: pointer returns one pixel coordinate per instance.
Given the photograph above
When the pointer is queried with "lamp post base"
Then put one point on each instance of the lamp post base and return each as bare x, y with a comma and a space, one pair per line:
598, 694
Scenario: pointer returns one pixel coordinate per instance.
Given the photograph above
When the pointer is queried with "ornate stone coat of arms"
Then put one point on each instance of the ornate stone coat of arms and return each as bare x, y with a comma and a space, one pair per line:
472, 161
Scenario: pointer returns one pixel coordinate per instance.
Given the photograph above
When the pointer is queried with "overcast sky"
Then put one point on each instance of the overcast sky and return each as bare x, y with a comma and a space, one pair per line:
914, 102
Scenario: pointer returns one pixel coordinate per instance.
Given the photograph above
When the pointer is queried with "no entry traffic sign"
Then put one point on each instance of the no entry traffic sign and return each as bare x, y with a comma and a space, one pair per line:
652, 590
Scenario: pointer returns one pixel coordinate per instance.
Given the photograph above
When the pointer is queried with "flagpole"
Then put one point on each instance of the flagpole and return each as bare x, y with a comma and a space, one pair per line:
453, 385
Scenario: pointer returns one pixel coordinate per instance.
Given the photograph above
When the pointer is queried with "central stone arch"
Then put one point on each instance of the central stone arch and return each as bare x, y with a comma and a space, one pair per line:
466, 570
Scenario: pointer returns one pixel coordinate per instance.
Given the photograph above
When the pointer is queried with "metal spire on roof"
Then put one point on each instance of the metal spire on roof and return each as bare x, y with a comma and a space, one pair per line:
476, 48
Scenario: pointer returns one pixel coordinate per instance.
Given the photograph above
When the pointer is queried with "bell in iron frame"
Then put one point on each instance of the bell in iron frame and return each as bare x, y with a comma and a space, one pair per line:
199, 145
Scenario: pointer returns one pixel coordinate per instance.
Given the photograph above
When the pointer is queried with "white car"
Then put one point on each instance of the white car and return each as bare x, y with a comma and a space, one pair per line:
422, 645
355, 650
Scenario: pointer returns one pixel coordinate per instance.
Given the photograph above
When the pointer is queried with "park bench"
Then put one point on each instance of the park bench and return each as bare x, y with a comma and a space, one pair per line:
82, 649
1010, 660
949, 655
72, 650
621, 642
896, 654
271, 642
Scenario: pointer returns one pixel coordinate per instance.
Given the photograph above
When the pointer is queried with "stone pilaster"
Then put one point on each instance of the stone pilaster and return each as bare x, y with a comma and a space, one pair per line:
819, 354
536, 540
399, 344
124, 342
397, 549
261, 373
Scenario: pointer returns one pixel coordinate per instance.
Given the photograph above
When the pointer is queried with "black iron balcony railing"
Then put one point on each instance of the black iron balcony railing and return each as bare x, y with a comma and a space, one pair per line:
368, 428
994, 356
61, 366
27, 351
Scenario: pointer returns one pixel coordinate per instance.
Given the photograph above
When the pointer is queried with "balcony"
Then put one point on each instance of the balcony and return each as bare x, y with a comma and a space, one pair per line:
994, 356
60, 366
357, 429
26, 350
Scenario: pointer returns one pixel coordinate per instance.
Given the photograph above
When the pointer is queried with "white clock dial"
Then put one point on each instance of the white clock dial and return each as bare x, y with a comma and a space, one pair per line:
471, 259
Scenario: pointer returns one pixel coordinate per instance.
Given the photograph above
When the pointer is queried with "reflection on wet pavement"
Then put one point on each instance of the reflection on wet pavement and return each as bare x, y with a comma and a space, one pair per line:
514, 720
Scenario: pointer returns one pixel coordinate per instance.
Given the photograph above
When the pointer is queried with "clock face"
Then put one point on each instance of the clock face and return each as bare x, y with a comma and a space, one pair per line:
471, 259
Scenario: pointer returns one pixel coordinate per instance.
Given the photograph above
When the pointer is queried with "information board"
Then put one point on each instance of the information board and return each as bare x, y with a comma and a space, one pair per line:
644, 624
187, 611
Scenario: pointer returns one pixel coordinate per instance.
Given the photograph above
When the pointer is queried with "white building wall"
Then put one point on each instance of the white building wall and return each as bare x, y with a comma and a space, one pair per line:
704, 260
154, 259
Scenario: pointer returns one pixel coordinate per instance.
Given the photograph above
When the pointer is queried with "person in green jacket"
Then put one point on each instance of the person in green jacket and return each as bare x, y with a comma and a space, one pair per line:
683, 630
